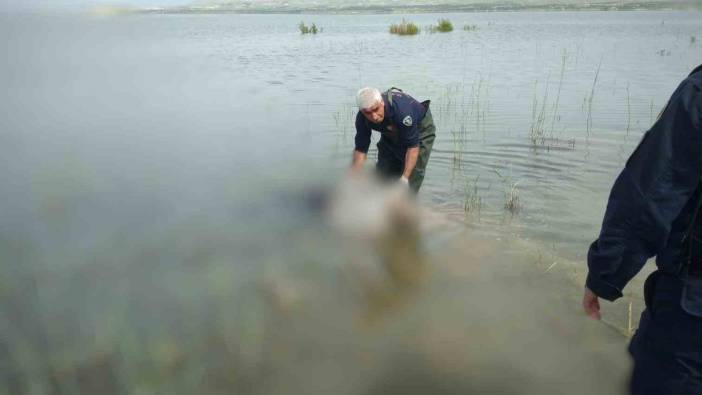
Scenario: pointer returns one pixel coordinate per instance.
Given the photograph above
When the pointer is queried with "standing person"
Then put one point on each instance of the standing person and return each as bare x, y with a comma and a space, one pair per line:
654, 209
407, 134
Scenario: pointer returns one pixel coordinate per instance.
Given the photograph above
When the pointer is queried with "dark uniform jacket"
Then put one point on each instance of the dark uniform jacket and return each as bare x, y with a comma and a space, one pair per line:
653, 200
400, 126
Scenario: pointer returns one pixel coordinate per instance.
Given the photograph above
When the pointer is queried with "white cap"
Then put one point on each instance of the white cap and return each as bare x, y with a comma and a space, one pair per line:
367, 97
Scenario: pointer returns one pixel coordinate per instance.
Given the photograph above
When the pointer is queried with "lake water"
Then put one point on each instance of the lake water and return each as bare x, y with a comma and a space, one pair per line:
156, 170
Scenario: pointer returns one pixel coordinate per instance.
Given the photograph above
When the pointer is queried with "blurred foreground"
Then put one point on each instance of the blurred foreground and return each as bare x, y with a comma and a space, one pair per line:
374, 296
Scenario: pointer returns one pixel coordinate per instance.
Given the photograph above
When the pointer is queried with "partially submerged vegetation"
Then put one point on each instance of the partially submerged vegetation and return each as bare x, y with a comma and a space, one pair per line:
470, 28
589, 99
512, 203
304, 29
442, 26
545, 116
512, 198
472, 202
404, 28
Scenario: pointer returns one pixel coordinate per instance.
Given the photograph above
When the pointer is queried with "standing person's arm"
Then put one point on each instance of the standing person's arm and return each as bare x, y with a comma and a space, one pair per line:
657, 182
362, 142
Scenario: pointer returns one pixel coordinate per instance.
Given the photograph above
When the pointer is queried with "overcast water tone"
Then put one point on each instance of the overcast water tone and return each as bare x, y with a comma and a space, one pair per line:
165, 180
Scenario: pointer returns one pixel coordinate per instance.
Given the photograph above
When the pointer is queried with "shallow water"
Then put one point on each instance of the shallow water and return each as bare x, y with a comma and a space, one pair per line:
157, 169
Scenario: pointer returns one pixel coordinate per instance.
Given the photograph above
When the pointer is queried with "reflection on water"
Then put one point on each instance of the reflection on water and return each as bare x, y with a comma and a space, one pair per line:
165, 181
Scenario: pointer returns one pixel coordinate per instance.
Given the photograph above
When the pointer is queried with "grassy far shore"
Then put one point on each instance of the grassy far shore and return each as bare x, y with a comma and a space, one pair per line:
302, 7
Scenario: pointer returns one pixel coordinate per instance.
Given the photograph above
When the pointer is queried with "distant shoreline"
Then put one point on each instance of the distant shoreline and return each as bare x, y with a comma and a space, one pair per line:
415, 9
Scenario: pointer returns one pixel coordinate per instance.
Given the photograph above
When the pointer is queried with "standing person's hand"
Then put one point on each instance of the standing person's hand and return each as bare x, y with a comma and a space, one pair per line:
591, 304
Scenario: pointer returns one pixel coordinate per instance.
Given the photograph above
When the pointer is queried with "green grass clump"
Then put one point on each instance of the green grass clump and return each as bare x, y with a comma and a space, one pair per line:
304, 29
443, 26
470, 28
404, 28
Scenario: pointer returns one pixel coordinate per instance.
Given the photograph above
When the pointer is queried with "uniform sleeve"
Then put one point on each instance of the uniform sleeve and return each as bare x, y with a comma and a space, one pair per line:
407, 120
648, 195
363, 134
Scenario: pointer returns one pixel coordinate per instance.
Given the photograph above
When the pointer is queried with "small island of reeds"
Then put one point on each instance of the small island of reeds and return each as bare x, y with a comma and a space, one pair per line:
404, 28
304, 29
442, 26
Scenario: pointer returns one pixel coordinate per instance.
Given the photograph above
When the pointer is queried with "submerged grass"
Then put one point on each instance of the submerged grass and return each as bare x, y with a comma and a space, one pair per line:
404, 28
472, 202
470, 28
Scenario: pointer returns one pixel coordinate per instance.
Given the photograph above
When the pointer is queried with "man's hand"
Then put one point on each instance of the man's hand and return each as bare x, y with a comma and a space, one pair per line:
357, 160
591, 304
404, 181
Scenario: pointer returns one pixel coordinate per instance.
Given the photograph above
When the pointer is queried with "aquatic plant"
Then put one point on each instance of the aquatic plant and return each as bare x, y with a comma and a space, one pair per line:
512, 202
480, 104
693, 39
444, 26
539, 111
458, 141
304, 29
471, 199
404, 28
564, 57
512, 198
538, 118
470, 28
588, 126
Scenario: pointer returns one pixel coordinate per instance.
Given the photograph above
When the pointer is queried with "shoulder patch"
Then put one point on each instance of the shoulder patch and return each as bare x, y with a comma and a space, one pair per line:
407, 121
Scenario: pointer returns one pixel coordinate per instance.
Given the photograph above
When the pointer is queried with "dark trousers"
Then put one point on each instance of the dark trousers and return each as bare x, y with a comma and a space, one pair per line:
391, 161
667, 346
